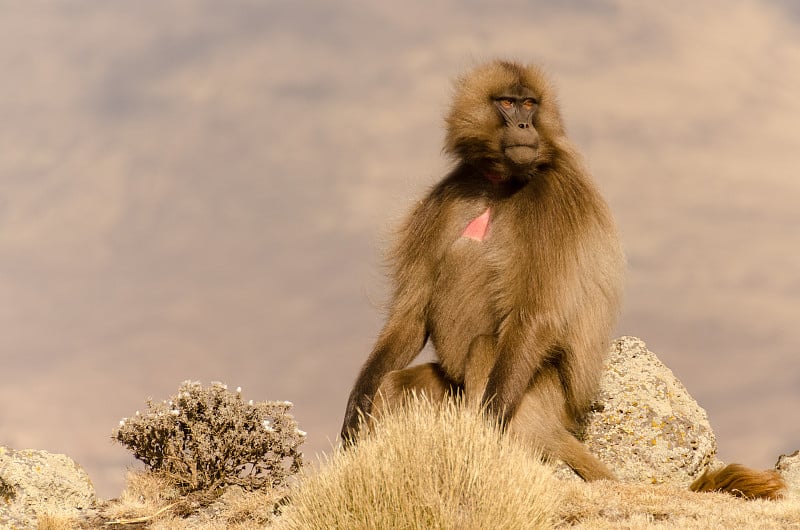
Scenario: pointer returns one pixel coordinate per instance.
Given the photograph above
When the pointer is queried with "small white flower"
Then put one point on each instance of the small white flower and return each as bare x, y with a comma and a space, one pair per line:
250, 402
175, 412
137, 413
122, 422
301, 433
238, 390
267, 426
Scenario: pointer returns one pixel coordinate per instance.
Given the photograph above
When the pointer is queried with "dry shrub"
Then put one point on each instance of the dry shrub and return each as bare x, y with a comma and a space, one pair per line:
427, 467
204, 438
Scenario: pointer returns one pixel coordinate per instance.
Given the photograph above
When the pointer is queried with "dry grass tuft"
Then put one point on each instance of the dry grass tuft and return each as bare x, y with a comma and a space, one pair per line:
56, 522
427, 467
153, 501
146, 496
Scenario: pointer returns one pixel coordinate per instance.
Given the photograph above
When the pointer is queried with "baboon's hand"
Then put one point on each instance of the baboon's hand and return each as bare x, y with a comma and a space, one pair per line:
496, 412
357, 409
348, 437
349, 432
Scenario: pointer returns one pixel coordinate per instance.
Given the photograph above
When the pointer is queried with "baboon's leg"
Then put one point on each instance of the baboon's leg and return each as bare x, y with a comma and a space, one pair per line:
582, 364
426, 379
577, 456
480, 360
541, 421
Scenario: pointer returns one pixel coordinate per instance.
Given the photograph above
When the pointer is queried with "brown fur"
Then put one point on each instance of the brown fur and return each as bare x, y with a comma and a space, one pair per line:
741, 481
520, 320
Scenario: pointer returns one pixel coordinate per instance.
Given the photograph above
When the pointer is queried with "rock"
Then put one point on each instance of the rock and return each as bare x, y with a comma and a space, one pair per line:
646, 427
789, 467
34, 483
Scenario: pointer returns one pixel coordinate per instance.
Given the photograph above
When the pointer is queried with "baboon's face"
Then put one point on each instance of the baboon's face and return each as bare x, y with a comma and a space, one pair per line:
503, 120
519, 140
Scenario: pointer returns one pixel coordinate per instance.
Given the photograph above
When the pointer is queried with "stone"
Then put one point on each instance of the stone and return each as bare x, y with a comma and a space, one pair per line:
35, 483
645, 426
789, 467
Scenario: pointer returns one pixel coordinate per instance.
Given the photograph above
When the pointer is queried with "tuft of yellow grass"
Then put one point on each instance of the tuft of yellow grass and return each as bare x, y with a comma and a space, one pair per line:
56, 522
146, 496
154, 500
427, 466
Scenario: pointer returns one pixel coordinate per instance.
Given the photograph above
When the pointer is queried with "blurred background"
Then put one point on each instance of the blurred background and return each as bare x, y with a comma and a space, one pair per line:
193, 189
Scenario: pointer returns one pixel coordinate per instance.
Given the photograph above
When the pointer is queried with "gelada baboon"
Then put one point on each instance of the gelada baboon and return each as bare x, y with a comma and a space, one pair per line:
511, 266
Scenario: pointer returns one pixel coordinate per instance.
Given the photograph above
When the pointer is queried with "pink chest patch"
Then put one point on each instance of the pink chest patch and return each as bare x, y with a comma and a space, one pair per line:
476, 229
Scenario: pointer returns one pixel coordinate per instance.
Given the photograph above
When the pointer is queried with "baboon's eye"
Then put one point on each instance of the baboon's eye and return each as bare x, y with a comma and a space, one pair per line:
507, 103
529, 103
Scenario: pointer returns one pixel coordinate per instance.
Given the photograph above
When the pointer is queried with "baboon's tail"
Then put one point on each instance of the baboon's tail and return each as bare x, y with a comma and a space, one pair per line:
742, 481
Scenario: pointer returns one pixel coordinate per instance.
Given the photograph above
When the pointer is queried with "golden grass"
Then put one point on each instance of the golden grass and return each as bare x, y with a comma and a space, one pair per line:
645, 506
152, 501
426, 467
56, 522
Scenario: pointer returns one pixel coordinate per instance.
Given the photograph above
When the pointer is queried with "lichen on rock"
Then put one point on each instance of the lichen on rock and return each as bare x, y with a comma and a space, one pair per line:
789, 467
34, 483
646, 426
